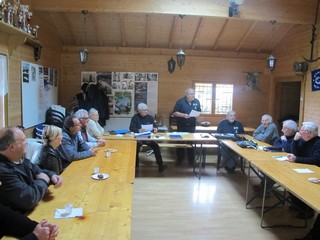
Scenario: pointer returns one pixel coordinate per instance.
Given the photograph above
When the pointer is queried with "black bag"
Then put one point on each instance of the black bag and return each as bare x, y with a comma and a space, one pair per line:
272, 149
231, 136
247, 144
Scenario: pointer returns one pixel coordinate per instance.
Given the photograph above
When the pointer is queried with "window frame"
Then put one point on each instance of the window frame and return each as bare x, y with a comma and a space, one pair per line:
213, 96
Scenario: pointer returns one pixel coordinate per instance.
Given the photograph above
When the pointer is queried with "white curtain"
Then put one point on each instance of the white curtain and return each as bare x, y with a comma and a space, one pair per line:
3, 76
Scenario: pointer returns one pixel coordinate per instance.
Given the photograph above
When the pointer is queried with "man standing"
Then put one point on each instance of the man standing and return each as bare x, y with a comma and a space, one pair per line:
229, 125
23, 184
142, 122
305, 149
267, 131
186, 123
72, 148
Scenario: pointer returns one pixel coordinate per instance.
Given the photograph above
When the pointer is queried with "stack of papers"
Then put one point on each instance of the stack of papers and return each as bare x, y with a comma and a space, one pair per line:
61, 213
144, 134
303, 170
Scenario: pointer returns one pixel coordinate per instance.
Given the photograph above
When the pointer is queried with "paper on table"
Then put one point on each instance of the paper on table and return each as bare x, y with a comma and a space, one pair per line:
60, 213
303, 170
147, 127
281, 158
194, 113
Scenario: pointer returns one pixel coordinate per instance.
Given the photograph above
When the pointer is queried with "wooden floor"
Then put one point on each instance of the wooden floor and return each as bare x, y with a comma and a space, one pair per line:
176, 205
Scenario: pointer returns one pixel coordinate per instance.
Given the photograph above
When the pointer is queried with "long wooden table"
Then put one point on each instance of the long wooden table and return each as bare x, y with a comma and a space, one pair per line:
213, 129
195, 140
106, 203
282, 173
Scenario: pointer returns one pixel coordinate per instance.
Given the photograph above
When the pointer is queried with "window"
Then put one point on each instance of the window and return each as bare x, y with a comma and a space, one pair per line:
3, 90
214, 98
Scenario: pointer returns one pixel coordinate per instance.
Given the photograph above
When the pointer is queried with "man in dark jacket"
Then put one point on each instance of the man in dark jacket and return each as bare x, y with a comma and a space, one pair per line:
229, 125
18, 225
138, 124
305, 149
23, 184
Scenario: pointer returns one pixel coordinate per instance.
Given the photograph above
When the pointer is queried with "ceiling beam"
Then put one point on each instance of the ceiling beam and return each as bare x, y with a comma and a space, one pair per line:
196, 35
283, 11
123, 30
245, 36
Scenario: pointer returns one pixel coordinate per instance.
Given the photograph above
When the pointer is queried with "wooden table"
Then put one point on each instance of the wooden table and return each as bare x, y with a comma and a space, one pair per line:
282, 173
106, 203
195, 140
213, 129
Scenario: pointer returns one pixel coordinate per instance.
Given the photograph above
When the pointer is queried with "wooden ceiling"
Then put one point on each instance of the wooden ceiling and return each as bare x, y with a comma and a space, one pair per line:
156, 24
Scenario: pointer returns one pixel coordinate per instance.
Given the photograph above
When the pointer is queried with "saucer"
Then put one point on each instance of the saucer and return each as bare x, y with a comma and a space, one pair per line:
95, 176
314, 180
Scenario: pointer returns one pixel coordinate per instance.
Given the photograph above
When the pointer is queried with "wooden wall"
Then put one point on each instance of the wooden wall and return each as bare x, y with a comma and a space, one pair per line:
221, 69
172, 86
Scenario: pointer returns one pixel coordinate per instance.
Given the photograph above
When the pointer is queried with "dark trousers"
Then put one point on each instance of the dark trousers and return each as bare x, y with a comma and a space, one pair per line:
315, 231
154, 146
302, 207
181, 151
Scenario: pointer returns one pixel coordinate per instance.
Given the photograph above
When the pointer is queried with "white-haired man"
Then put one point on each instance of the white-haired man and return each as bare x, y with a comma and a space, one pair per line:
138, 124
267, 131
305, 149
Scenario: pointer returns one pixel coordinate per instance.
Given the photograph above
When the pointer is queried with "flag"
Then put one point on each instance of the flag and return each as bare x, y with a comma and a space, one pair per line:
316, 80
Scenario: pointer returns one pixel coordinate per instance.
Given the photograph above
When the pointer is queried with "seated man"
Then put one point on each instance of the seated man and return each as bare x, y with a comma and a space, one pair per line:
18, 225
267, 131
23, 184
282, 144
305, 149
94, 128
73, 148
83, 117
229, 125
137, 124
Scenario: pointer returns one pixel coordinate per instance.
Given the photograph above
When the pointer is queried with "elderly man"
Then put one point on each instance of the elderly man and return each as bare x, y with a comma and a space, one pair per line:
83, 117
142, 122
267, 131
73, 148
229, 125
23, 184
305, 149
186, 123
18, 225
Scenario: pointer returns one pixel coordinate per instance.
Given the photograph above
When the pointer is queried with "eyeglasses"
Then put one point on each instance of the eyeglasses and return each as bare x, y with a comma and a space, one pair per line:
85, 118
303, 130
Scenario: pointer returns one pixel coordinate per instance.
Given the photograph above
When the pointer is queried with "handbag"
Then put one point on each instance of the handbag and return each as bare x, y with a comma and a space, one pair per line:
247, 144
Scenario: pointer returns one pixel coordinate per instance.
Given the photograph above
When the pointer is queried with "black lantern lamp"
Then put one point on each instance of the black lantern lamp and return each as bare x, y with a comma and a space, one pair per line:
84, 52
271, 61
171, 65
181, 55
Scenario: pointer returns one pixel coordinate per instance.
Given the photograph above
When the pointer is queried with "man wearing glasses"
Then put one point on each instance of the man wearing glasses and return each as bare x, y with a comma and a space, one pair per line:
305, 149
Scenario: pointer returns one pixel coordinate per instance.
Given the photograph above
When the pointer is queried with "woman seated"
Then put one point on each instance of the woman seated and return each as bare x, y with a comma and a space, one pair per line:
49, 158
94, 128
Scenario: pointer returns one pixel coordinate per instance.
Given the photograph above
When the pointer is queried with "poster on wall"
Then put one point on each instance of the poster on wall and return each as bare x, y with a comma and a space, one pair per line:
38, 92
125, 90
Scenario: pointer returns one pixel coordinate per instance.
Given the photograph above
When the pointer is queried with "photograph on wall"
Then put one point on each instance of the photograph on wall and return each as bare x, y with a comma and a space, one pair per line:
33, 72
152, 76
88, 78
140, 77
140, 94
123, 101
50, 76
25, 71
46, 77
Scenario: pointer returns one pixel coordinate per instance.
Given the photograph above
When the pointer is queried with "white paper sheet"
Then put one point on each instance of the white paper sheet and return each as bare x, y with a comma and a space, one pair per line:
281, 158
60, 213
194, 113
303, 170
148, 127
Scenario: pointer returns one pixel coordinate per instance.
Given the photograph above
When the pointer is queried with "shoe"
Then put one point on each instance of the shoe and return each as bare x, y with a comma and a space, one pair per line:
307, 237
230, 170
293, 208
162, 167
304, 215
257, 188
